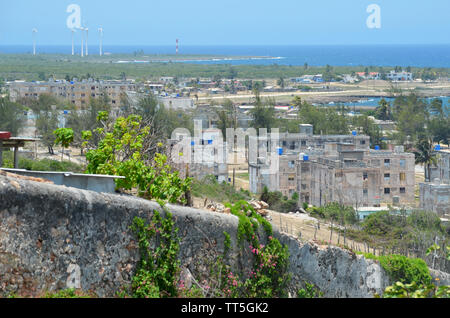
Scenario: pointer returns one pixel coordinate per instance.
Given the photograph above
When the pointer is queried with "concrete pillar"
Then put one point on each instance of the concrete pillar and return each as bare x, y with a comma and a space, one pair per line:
16, 157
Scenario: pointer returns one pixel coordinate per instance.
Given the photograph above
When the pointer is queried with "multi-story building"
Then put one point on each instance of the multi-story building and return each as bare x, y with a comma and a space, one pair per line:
340, 168
75, 92
399, 76
199, 156
435, 195
306, 140
356, 177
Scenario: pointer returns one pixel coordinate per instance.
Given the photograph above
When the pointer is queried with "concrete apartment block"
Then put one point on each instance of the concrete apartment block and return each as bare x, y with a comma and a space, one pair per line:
435, 195
335, 168
200, 156
356, 178
76, 92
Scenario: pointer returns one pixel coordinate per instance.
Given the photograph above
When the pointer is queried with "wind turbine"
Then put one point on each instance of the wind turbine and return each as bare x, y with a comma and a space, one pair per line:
34, 31
82, 41
73, 43
101, 40
87, 36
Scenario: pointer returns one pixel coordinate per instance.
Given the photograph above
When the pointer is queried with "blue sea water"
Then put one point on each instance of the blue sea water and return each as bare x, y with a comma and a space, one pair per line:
374, 101
314, 55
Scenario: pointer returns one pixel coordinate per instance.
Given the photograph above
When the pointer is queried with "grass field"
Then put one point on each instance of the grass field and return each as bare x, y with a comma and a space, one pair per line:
29, 67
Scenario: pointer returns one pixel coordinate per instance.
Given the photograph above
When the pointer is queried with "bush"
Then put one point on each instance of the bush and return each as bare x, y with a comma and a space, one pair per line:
278, 202
41, 165
223, 192
406, 270
403, 269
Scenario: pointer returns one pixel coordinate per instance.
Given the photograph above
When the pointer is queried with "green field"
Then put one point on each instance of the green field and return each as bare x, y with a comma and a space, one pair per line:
41, 67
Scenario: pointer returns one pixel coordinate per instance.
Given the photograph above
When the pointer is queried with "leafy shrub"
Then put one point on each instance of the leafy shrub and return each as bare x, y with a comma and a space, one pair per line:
403, 269
278, 202
67, 293
406, 270
413, 290
120, 152
310, 291
41, 165
223, 192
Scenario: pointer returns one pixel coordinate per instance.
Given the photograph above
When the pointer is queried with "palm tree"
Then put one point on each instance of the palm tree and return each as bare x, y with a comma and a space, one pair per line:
425, 156
383, 111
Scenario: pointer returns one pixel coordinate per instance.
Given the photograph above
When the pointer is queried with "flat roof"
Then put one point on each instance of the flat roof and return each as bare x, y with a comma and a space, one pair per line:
17, 141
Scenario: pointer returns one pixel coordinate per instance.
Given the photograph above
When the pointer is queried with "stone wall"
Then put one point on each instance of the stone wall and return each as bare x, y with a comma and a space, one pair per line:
54, 237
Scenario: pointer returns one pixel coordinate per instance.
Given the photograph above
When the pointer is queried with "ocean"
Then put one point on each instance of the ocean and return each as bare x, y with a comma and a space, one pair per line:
314, 55
374, 101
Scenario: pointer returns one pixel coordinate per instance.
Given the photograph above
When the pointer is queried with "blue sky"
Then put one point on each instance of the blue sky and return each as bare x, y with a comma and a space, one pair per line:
225, 22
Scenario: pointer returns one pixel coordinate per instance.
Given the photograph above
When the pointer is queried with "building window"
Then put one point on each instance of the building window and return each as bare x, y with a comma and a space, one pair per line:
303, 142
402, 176
363, 142
365, 191
291, 164
291, 178
402, 163
402, 190
387, 190
365, 176
292, 146
387, 162
387, 176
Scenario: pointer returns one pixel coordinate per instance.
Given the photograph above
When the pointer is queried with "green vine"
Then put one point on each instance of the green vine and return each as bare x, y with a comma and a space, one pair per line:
158, 269
269, 276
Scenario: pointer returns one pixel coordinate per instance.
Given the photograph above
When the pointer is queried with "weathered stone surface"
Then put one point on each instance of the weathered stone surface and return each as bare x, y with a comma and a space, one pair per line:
54, 237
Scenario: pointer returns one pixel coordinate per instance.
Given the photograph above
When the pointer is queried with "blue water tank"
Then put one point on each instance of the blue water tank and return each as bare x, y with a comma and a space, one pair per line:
354, 133
305, 158
280, 151
192, 143
377, 147
210, 142
437, 147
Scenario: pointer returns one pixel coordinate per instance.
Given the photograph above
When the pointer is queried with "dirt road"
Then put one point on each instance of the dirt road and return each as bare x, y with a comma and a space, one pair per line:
294, 224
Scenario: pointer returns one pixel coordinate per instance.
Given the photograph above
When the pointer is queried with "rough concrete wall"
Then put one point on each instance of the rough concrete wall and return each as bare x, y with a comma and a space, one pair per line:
53, 237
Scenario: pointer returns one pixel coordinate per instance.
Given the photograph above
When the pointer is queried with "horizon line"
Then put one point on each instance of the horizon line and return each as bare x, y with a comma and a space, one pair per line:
262, 44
